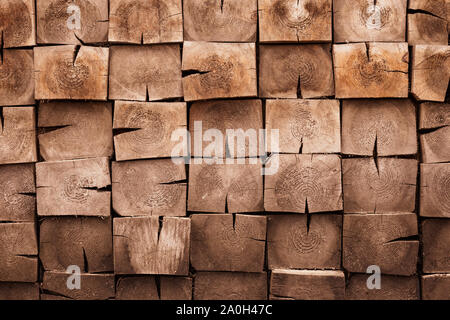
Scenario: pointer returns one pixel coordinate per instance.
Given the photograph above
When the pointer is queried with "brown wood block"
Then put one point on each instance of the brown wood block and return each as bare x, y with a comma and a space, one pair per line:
430, 72
17, 193
436, 245
75, 130
392, 288
216, 187
56, 22
18, 252
93, 287
19, 291
295, 21
71, 72
384, 240
145, 21
304, 180
220, 70
379, 185
82, 241
149, 188
150, 126
301, 242
146, 288
309, 126
17, 23
295, 71
436, 287
146, 245
16, 77
435, 190
17, 135
72, 187
371, 70
307, 285
435, 117
390, 124
223, 115
221, 242
372, 20
230, 286
222, 21
427, 22
145, 73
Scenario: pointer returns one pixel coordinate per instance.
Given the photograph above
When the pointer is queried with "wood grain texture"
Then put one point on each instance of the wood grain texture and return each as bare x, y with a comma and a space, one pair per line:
427, 22
146, 288
436, 287
436, 245
19, 291
17, 23
436, 142
392, 288
435, 190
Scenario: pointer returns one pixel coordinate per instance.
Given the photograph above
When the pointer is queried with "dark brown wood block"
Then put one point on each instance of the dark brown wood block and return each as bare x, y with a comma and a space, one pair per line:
435, 190
82, 241
312, 180
392, 288
17, 193
295, 21
145, 21
379, 185
17, 23
427, 23
153, 124
436, 246
309, 126
216, 187
295, 71
223, 115
149, 188
371, 70
16, 77
71, 72
384, 240
75, 130
145, 73
222, 21
146, 245
390, 124
230, 286
299, 242
221, 242
146, 288
436, 287
219, 70
57, 24
372, 20
73, 187
19, 291
307, 285
18, 253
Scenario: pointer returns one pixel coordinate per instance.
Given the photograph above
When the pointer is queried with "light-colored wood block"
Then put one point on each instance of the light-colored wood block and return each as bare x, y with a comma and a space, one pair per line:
17, 23
436, 287
427, 22
19, 291
392, 288
146, 288
436, 245
435, 118
435, 190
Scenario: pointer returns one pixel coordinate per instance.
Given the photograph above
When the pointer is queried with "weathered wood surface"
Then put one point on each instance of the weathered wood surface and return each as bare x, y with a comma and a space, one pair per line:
82, 241
369, 20
145, 21
221, 242
145, 73
392, 288
436, 245
305, 126
57, 24
371, 70
71, 72
379, 185
436, 287
301, 242
307, 285
19, 291
217, 187
230, 286
17, 23
219, 70
295, 21
435, 190
75, 130
427, 22
435, 119
385, 240
387, 126
149, 188
146, 288
312, 181
151, 127
146, 245
295, 71
17, 135
73, 187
